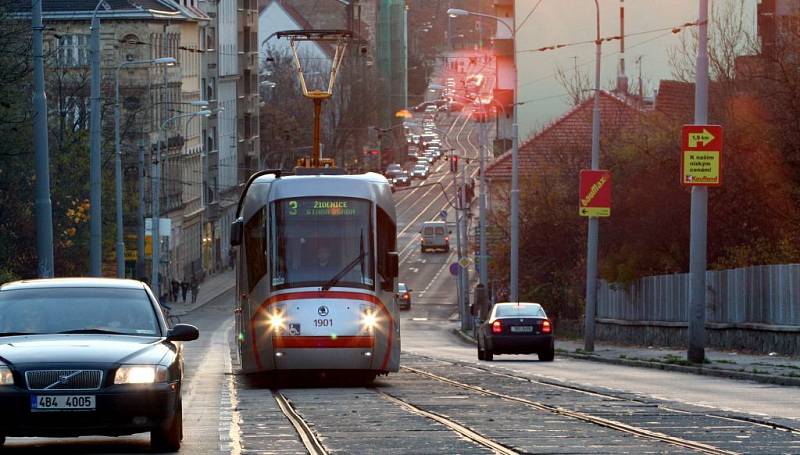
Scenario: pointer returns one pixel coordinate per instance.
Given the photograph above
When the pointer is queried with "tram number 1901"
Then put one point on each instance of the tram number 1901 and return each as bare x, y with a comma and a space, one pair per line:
323, 322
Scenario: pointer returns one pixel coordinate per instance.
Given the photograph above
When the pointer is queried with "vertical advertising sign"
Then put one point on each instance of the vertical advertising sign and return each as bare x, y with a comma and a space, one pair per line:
701, 155
595, 193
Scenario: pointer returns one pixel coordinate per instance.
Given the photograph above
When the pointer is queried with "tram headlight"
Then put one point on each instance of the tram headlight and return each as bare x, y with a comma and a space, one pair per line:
369, 320
276, 321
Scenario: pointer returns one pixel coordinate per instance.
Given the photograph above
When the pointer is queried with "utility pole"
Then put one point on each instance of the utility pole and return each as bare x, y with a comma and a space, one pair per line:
591, 253
156, 192
140, 271
460, 286
44, 208
95, 212
466, 321
699, 211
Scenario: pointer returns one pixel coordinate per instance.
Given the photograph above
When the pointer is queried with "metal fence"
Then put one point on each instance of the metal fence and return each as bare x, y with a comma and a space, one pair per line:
767, 294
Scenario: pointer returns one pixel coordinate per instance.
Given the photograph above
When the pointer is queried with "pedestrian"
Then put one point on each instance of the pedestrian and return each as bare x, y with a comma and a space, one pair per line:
195, 286
231, 258
175, 286
184, 288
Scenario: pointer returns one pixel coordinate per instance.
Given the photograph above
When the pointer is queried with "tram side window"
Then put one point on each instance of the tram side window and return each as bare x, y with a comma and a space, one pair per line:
387, 240
255, 244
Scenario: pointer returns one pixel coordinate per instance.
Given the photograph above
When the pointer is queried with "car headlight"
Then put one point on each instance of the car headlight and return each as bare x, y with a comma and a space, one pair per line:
6, 376
141, 374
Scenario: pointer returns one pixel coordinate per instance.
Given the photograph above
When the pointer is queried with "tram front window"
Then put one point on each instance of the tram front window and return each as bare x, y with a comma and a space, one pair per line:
317, 239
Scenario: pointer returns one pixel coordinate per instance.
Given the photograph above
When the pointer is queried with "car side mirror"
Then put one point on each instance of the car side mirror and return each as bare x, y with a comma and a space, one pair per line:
237, 228
183, 332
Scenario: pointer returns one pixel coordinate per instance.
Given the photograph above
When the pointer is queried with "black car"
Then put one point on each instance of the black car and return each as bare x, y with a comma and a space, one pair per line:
400, 178
516, 328
89, 356
403, 297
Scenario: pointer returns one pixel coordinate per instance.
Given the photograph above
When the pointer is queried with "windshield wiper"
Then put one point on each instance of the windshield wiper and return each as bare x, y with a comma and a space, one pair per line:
11, 334
360, 259
101, 331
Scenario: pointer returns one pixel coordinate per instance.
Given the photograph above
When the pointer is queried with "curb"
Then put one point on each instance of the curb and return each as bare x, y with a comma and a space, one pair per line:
716, 372
184, 312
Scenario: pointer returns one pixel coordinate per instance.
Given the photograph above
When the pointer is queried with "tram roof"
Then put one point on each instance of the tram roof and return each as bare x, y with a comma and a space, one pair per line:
371, 186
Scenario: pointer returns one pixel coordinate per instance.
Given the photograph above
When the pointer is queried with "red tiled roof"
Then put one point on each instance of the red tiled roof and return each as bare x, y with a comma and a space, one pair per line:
568, 139
676, 99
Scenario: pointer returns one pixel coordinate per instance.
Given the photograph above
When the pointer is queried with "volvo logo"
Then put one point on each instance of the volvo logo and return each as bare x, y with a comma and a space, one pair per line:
323, 311
63, 379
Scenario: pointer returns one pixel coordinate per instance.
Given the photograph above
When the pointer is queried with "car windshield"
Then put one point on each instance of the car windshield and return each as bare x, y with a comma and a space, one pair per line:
67, 309
401, 287
419, 167
315, 238
531, 311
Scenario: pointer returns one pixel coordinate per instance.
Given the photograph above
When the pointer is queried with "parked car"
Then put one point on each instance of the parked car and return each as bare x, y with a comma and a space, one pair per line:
516, 328
403, 297
89, 356
435, 236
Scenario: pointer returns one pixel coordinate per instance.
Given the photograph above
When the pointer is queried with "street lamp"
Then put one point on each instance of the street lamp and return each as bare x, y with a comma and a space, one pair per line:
514, 278
95, 225
156, 218
118, 156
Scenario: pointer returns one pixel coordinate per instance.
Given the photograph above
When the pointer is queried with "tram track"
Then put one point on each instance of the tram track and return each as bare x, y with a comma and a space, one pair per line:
462, 430
613, 397
577, 415
307, 436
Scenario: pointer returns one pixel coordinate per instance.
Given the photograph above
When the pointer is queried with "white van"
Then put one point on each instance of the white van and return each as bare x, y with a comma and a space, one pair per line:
435, 236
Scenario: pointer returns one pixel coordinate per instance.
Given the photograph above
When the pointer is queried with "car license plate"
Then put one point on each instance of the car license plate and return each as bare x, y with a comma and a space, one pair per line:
62, 402
521, 328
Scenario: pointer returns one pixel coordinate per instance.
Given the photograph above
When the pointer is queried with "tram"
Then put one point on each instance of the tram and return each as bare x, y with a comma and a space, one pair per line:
316, 270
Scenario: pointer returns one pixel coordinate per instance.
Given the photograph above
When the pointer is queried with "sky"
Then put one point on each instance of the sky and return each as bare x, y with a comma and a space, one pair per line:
568, 21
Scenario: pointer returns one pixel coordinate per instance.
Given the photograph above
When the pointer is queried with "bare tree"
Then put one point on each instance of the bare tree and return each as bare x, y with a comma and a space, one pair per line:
575, 82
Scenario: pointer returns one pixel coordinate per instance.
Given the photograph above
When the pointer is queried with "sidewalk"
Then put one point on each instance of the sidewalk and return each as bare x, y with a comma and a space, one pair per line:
770, 369
210, 289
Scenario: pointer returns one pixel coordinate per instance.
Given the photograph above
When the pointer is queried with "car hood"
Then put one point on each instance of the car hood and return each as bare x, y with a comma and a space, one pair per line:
19, 350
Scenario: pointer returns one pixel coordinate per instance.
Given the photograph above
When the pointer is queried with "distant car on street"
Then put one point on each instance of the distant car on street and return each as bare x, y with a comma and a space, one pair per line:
400, 178
516, 328
435, 236
89, 356
419, 171
403, 297
392, 168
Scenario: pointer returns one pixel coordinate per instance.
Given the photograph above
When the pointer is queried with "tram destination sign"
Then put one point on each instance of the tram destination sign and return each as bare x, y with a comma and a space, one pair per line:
701, 155
323, 207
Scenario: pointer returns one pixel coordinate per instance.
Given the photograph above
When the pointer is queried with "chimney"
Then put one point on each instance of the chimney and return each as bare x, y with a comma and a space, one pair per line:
622, 79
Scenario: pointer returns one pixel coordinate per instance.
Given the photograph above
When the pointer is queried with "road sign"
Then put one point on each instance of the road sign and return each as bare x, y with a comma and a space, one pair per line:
465, 262
454, 269
701, 155
443, 215
595, 193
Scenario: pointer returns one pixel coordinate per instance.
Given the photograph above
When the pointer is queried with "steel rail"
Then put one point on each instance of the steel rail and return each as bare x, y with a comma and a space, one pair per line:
449, 423
607, 423
575, 388
307, 435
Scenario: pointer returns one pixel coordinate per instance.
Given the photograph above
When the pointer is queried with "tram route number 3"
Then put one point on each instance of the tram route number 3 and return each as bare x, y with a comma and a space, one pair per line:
323, 322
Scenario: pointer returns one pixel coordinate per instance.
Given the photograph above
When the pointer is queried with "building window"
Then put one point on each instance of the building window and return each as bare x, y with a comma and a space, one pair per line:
73, 51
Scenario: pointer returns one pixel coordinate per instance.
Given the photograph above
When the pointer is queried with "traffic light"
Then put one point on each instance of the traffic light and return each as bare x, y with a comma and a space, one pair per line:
454, 163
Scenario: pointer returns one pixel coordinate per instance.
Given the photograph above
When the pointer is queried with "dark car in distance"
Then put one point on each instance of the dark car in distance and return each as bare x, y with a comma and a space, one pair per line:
403, 297
516, 328
89, 356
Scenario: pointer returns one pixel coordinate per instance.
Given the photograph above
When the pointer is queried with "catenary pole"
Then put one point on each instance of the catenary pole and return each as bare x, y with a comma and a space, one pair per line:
120, 247
593, 228
466, 321
699, 210
95, 193
43, 206
156, 191
140, 269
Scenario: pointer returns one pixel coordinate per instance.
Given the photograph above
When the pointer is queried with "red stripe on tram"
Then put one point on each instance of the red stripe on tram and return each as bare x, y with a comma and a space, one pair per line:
323, 342
322, 295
